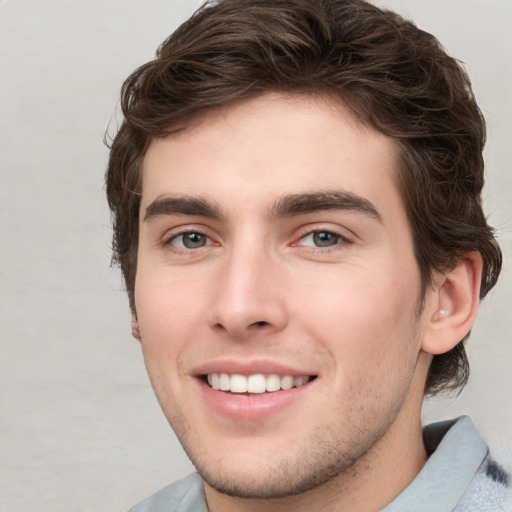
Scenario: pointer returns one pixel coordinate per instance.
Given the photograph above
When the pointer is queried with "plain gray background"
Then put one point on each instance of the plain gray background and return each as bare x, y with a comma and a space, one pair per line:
80, 428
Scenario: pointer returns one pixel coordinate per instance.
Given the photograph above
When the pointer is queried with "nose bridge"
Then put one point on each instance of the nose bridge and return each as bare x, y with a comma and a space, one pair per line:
249, 295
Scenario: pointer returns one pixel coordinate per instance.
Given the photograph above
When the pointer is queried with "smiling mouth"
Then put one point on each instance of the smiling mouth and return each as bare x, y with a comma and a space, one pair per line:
256, 384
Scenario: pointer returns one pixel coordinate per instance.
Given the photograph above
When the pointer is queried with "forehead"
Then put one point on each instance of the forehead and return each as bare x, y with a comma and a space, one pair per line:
272, 145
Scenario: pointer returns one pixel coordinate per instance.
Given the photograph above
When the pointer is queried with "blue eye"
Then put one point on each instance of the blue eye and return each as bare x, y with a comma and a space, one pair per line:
190, 240
321, 239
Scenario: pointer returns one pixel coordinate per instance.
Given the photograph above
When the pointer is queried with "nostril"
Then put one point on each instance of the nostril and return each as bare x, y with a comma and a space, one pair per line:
261, 323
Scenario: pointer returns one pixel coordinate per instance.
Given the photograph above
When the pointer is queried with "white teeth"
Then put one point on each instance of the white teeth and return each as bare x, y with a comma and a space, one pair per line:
273, 383
287, 382
299, 381
224, 382
254, 384
238, 384
214, 381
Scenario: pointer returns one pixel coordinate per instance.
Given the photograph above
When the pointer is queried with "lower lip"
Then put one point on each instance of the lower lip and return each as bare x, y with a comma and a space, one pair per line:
250, 408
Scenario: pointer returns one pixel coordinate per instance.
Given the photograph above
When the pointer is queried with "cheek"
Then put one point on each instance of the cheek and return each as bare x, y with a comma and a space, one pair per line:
166, 306
370, 332
168, 321
367, 320
162, 324
360, 297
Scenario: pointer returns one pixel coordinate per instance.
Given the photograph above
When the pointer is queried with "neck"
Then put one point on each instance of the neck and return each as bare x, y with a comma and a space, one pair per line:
369, 485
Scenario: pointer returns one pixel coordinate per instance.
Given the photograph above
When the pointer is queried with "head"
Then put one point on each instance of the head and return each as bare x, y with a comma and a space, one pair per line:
296, 196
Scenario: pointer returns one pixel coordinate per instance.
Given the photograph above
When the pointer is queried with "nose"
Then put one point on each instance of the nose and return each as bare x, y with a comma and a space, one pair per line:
251, 295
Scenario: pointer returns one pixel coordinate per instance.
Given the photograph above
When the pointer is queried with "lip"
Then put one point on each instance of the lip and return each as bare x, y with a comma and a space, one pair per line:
245, 407
253, 367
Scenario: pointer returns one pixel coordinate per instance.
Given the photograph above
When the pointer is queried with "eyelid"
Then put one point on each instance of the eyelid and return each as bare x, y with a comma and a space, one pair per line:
182, 246
181, 230
344, 233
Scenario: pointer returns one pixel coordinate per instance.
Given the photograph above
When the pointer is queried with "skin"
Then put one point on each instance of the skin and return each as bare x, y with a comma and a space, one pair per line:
261, 289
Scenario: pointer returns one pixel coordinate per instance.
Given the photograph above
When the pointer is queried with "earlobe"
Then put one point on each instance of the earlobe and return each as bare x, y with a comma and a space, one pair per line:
135, 328
453, 305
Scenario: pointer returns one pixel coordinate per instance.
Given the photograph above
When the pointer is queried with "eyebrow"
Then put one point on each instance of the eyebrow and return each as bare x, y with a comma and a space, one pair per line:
181, 206
286, 206
298, 204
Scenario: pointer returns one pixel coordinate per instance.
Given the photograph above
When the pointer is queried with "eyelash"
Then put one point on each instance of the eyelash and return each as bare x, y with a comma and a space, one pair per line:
168, 241
307, 232
342, 239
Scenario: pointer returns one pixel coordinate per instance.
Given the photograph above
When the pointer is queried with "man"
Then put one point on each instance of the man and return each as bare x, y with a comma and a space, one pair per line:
297, 215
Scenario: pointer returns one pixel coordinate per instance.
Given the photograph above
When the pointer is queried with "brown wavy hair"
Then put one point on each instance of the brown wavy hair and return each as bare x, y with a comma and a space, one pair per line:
393, 76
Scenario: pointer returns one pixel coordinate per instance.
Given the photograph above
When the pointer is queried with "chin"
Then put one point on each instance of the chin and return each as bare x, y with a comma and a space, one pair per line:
286, 484
275, 478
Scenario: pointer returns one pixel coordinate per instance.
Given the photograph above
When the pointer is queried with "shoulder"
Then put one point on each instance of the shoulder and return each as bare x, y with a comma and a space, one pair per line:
486, 484
182, 496
489, 491
460, 475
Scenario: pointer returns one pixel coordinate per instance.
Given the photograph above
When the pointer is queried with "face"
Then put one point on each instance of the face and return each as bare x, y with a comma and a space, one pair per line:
277, 292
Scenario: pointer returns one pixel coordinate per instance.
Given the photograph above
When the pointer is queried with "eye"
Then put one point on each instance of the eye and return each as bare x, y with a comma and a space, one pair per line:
190, 240
321, 239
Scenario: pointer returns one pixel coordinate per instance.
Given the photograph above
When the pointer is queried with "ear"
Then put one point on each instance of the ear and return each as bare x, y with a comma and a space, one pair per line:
452, 305
135, 327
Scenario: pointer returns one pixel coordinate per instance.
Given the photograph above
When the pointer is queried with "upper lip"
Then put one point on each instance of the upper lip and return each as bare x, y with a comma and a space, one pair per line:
250, 367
